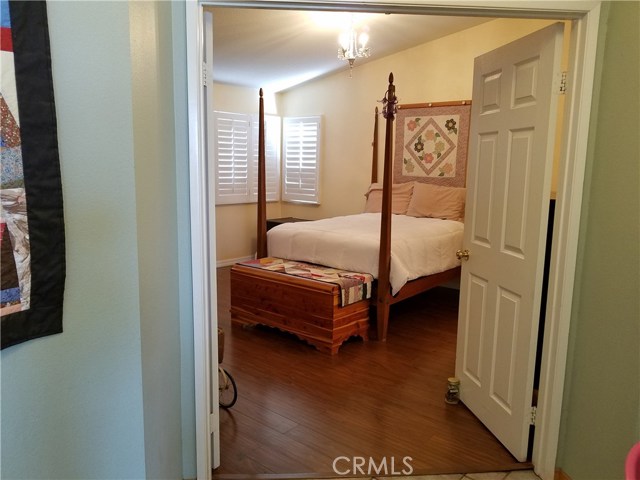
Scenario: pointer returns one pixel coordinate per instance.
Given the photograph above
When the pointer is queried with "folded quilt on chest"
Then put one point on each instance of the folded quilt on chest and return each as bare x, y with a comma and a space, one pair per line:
419, 246
354, 286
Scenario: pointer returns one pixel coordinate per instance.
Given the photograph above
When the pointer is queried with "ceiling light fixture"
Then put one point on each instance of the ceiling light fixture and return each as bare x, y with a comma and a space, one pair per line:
353, 44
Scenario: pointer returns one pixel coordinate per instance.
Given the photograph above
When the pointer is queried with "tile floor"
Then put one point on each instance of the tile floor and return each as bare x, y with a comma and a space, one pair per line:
515, 475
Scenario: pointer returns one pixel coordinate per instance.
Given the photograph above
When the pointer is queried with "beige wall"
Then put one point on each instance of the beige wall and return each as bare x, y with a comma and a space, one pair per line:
436, 71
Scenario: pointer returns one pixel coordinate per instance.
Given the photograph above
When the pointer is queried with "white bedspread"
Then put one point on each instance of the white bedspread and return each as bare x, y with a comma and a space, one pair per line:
419, 246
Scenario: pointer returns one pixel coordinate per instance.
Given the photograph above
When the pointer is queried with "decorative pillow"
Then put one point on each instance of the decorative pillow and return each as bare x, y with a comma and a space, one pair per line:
436, 201
400, 197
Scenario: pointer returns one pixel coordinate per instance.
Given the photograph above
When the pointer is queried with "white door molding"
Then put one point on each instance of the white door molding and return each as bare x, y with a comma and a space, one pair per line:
584, 35
586, 15
201, 241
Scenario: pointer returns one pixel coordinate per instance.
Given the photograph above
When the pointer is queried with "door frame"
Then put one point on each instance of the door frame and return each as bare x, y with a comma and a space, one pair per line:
578, 106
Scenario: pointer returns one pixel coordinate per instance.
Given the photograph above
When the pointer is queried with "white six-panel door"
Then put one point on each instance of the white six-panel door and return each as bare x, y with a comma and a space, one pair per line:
508, 189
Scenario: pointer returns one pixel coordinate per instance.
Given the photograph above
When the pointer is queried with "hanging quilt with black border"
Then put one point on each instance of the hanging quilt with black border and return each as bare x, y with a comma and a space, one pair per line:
31, 214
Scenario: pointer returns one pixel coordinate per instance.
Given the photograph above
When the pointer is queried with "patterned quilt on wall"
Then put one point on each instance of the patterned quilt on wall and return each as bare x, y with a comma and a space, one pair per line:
31, 216
431, 143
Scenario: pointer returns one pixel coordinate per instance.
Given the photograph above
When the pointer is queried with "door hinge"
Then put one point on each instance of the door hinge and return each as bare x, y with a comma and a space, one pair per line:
532, 419
562, 84
204, 74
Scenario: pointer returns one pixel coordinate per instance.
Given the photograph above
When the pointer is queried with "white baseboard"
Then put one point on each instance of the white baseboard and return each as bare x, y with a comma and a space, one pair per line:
231, 261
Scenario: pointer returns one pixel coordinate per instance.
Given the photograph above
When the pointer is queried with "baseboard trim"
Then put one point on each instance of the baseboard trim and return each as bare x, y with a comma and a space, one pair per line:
232, 261
561, 475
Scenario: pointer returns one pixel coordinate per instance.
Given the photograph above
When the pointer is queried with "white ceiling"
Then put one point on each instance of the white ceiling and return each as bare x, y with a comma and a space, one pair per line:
277, 49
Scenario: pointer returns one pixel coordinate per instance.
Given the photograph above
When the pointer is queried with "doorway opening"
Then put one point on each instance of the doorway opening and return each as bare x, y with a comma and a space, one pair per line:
500, 32
562, 271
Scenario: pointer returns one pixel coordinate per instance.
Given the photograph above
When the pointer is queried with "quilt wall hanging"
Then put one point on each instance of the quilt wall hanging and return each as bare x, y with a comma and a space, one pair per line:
31, 215
431, 143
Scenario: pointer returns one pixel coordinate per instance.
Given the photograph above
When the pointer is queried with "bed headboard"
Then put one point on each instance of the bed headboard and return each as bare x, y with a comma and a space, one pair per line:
431, 141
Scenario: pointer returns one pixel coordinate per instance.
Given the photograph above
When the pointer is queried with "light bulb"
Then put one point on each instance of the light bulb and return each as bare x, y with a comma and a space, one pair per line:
363, 39
344, 40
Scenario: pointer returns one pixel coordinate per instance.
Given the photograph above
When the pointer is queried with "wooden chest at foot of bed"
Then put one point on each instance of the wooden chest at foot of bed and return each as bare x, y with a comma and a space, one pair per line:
309, 309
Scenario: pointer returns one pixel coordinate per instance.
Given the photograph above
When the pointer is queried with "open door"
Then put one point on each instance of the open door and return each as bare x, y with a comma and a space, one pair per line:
508, 186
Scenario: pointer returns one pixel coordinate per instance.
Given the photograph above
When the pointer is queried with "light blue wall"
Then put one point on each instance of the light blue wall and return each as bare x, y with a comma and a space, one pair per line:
601, 411
157, 217
184, 238
72, 404
112, 397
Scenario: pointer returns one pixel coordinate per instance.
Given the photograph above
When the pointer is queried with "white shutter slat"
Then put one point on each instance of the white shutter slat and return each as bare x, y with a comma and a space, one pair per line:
273, 135
272, 158
301, 159
236, 157
231, 152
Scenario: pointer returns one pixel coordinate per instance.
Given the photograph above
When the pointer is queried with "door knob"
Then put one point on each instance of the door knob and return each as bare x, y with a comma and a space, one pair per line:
463, 254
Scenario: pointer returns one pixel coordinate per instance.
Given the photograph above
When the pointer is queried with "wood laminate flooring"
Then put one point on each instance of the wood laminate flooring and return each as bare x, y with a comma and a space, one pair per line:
298, 410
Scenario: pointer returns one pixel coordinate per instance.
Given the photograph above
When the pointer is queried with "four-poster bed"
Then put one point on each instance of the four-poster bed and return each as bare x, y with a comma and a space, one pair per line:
256, 295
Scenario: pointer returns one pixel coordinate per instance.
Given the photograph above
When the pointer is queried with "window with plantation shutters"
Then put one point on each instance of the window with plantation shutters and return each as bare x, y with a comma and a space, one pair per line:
272, 158
300, 163
236, 157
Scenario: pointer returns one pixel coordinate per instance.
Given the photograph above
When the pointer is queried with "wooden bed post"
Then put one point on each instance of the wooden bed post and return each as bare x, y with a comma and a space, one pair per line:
262, 185
374, 159
384, 259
